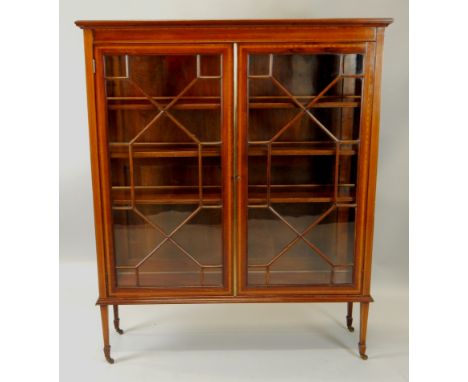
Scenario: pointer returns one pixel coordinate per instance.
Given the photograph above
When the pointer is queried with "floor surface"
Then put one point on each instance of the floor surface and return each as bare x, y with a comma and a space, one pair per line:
229, 342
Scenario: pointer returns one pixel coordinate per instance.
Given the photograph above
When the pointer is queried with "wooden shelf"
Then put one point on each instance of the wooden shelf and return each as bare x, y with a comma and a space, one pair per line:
292, 105
253, 201
216, 106
177, 106
165, 153
300, 151
166, 195
300, 193
214, 103
166, 99
284, 102
261, 201
306, 98
121, 151
184, 103
212, 195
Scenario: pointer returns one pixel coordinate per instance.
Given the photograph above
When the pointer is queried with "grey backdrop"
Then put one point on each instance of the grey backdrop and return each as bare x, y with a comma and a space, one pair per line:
391, 219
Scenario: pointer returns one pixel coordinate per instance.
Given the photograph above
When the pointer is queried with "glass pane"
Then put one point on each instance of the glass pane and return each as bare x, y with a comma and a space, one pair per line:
303, 146
164, 131
262, 244
134, 238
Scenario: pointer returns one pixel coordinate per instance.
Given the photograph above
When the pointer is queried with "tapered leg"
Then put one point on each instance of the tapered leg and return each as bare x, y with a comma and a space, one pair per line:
363, 329
349, 317
117, 319
105, 332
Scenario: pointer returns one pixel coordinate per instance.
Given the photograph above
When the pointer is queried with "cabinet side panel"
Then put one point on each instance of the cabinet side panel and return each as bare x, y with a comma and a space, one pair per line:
363, 166
93, 140
373, 154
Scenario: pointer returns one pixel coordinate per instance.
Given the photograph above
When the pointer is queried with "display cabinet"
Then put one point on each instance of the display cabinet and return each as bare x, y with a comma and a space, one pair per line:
234, 161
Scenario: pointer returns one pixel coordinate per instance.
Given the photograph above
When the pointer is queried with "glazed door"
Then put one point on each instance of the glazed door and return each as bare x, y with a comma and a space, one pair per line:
165, 116
302, 117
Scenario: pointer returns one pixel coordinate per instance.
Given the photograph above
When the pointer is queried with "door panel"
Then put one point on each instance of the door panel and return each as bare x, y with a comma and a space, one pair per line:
299, 137
167, 117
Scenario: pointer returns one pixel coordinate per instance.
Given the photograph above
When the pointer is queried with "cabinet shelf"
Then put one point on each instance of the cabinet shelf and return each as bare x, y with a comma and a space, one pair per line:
144, 103
215, 106
253, 201
214, 103
146, 151
164, 153
282, 102
212, 195
297, 151
292, 105
299, 193
149, 106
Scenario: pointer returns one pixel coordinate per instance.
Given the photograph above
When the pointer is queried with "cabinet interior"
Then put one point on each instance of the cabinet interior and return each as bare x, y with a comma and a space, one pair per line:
164, 123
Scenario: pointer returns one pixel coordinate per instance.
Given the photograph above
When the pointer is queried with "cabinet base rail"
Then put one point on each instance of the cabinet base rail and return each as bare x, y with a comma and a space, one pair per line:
129, 300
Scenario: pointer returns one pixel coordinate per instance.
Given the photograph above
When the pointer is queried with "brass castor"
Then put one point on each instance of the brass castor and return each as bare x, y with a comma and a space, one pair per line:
362, 351
107, 355
117, 327
350, 328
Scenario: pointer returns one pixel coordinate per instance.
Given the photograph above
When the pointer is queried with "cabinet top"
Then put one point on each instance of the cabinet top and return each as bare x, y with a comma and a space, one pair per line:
102, 24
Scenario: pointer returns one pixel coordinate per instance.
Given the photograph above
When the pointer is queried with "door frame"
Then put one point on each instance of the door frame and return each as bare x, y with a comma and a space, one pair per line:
364, 160
226, 50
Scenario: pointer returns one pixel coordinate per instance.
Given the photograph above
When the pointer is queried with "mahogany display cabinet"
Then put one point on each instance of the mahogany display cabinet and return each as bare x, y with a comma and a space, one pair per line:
234, 161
